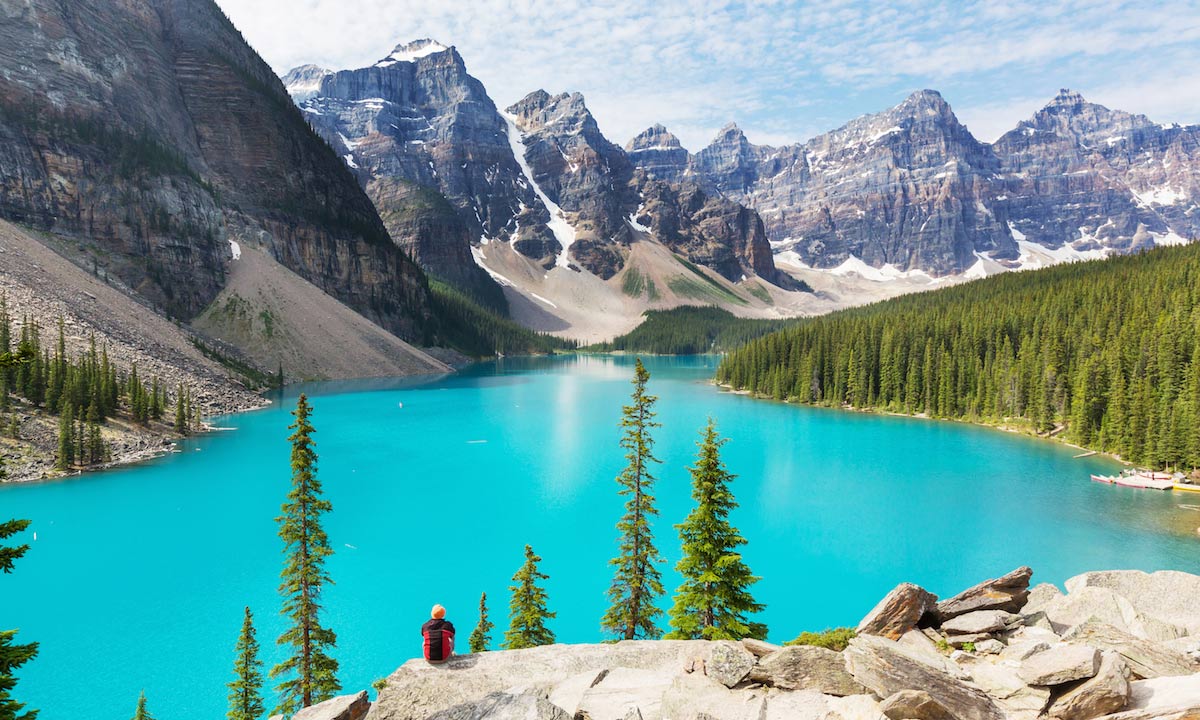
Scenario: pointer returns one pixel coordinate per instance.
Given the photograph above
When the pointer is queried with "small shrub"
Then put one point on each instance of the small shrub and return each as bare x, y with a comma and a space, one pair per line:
968, 647
831, 638
379, 684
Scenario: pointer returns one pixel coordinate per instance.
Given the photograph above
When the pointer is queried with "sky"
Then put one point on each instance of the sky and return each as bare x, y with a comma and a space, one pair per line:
783, 70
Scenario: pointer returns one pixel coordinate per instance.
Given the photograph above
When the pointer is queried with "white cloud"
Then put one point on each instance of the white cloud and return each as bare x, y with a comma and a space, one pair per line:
781, 69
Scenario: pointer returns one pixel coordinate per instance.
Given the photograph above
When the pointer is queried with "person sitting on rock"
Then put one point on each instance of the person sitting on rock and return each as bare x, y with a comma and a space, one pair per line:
438, 634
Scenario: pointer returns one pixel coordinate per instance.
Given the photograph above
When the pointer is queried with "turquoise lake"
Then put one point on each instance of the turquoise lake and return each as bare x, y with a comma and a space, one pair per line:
138, 576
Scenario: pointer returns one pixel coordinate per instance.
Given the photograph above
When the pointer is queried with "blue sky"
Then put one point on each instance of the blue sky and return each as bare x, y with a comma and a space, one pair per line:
783, 70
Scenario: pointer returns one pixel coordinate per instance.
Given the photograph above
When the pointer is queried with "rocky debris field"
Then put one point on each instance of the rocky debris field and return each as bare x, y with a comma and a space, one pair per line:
1118, 645
39, 284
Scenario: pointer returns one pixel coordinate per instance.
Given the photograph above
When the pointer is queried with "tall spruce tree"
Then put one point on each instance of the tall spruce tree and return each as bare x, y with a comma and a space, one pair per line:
245, 692
714, 600
637, 581
12, 655
141, 713
180, 412
527, 610
481, 636
311, 674
66, 438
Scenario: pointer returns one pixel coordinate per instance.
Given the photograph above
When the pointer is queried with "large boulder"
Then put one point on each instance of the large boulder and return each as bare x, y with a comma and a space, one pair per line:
1166, 595
980, 622
804, 667
1145, 659
1039, 595
1060, 664
1106, 692
914, 705
1008, 593
1002, 682
728, 663
1088, 602
887, 667
898, 612
344, 707
418, 690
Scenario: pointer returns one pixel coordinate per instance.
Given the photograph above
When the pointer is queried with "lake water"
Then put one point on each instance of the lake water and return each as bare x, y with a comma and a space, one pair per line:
138, 576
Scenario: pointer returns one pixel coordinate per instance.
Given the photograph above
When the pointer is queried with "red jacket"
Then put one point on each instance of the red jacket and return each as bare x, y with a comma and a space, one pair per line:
439, 640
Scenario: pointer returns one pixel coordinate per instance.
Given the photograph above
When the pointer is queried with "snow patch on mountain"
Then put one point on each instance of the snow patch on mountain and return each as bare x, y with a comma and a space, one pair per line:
1159, 196
481, 261
412, 52
562, 230
887, 273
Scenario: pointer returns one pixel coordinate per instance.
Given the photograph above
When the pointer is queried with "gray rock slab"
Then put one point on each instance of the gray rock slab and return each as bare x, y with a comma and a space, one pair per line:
887, 667
1008, 592
980, 621
914, 705
804, 667
1146, 659
344, 707
898, 612
1060, 664
1105, 693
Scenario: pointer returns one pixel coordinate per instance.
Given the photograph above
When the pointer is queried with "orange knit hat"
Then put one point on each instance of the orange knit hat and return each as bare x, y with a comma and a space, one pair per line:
438, 612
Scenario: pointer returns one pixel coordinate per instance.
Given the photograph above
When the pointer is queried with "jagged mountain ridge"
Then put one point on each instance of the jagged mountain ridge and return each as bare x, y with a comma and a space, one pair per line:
150, 134
912, 189
539, 176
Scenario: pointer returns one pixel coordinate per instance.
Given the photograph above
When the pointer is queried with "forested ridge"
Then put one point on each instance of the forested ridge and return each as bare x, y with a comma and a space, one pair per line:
691, 330
1107, 353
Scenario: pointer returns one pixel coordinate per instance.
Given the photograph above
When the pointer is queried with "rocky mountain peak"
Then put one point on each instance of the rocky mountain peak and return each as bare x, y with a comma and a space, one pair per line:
413, 51
655, 137
1066, 98
304, 82
658, 152
731, 133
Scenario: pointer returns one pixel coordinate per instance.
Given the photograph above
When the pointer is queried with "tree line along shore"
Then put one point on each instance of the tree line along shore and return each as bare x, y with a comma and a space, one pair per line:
1104, 354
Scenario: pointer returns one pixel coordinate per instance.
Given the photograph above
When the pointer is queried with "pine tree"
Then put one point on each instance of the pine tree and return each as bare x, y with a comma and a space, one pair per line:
481, 636
714, 599
66, 438
180, 412
637, 582
527, 610
12, 656
306, 547
141, 713
6, 373
245, 692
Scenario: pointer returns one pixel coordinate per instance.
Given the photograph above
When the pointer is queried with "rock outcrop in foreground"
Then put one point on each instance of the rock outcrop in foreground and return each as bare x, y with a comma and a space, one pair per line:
1120, 645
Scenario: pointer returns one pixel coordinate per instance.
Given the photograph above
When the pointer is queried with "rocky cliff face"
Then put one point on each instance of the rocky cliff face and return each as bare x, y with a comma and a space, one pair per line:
417, 119
911, 188
581, 172
151, 131
1079, 175
658, 152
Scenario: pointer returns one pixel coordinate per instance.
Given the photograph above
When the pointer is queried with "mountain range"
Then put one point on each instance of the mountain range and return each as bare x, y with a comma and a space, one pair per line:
147, 143
905, 193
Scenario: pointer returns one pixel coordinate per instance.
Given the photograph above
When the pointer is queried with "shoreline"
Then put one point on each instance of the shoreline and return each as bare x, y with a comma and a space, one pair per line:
154, 445
1010, 429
